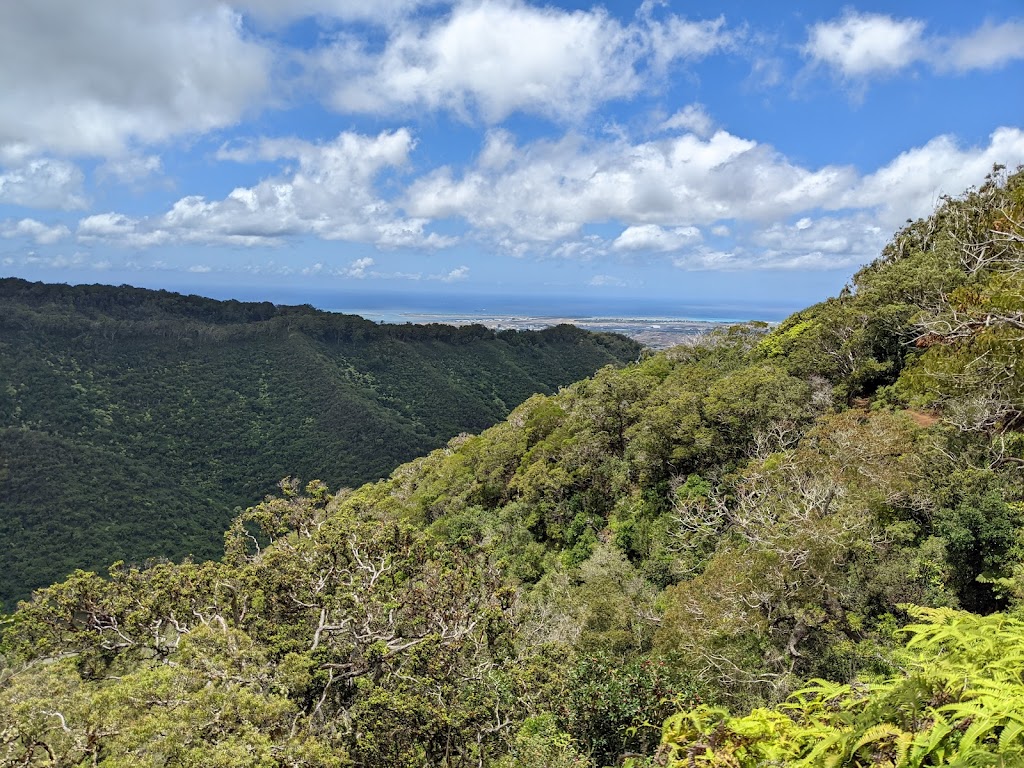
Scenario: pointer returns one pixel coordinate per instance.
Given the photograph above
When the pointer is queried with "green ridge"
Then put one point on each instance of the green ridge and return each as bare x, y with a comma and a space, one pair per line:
134, 423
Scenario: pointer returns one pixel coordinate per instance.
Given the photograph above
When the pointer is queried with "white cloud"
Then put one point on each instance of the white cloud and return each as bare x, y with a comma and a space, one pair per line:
860, 45
106, 225
816, 243
130, 168
42, 183
358, 268
363, 268
710, 259
766, 71
328, 193
989, 47
37, 230
693, 118
677, 38
913, 183
651, 237
495, 57
96, 77
200, 268
583, 249
537, 199
550, 190
864, 44
457, 274
118, 228
55, 261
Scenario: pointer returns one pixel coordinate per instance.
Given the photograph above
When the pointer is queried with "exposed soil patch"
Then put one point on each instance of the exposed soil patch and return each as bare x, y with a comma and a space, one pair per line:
922, 418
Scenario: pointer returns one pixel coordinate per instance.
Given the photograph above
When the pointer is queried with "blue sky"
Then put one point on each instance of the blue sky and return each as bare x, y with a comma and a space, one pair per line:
691, 152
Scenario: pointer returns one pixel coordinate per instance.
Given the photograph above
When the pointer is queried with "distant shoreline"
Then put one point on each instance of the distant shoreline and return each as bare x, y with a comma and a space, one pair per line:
656, 332
464, 318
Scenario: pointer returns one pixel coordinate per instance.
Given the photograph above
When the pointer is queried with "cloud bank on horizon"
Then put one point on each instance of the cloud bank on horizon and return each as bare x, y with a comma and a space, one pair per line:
493, 145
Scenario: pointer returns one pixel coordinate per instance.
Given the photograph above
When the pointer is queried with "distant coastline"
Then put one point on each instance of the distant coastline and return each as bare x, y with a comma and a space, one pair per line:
416, 308
652, 332
657, 324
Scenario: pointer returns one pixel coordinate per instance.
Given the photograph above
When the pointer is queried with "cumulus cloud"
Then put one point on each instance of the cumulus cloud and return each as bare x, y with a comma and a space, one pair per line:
823, 242
42, 234
859, 45
54, 261
362, 268
329, 192
358, 268
42, 183
913, 183
549, 190
130, 168
120, 229
541, 197
495, 57
457, 274
651, 237
862, 44
693, 118
538, 198
96, 77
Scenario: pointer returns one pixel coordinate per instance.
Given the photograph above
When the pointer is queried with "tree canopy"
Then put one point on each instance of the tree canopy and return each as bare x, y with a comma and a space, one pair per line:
136, 423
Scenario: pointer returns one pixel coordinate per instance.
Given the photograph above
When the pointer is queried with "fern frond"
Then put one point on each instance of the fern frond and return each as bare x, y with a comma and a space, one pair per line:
1010, 738
876, 733
828, 743
902, 745
927, 742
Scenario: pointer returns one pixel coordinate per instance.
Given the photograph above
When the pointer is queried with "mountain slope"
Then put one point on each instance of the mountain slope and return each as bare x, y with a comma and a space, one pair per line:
133, 422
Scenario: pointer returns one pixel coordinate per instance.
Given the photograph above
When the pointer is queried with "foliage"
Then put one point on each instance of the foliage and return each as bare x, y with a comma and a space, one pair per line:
617, 707
958, 701
134, 423
342, 640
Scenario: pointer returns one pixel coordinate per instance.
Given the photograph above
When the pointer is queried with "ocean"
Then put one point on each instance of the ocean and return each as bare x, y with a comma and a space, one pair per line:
421, 308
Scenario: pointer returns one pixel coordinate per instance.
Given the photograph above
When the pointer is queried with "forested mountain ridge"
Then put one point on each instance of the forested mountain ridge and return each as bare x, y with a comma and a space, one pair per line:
736, 539
133, 423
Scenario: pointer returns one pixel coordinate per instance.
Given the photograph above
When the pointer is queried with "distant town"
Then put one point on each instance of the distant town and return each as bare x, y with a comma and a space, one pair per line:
655, 333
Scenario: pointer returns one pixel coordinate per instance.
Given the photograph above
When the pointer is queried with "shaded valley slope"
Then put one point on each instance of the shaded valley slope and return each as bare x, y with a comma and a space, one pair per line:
134, 422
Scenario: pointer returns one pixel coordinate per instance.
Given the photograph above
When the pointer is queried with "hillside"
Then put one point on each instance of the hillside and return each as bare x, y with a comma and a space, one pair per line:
796, 546
134, 423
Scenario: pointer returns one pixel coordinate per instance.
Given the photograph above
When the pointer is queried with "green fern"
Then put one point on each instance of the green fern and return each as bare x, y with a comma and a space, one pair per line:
960, 702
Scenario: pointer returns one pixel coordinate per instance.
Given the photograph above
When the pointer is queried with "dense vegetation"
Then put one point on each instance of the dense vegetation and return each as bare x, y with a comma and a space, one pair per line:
136, 423
790, 546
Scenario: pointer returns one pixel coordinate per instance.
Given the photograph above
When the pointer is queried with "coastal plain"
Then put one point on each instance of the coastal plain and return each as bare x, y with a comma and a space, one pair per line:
652, 332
